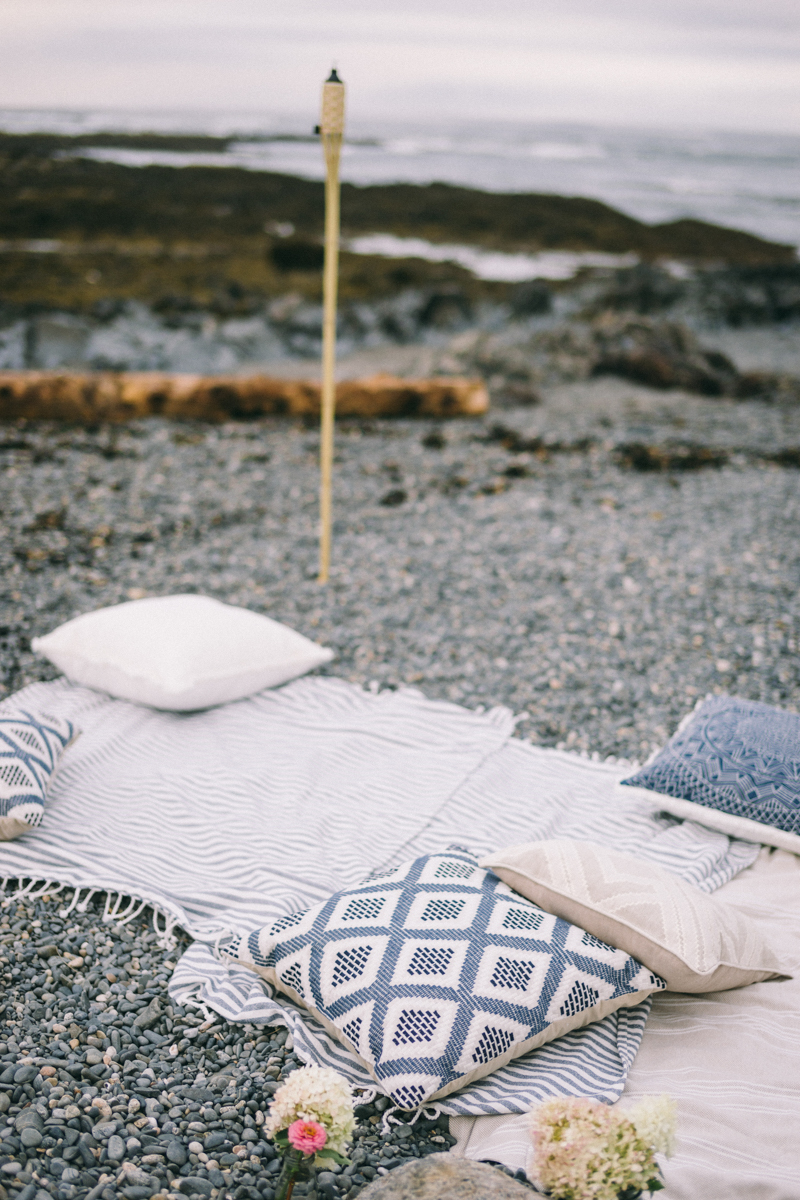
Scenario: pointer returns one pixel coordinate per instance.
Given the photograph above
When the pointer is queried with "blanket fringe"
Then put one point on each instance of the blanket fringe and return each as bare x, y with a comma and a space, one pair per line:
118, 907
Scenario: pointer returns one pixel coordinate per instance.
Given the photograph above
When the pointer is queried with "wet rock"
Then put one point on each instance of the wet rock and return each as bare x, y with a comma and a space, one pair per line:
532, 298
752, 295
644, 289
661, 355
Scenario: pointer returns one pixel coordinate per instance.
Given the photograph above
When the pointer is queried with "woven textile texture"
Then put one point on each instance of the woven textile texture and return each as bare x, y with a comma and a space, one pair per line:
738, 756
436, 973
692, 940
229, 819
31, 744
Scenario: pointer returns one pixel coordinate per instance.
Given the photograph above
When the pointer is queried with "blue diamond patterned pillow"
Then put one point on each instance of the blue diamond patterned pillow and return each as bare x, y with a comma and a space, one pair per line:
30, 747
734, 765
436, 973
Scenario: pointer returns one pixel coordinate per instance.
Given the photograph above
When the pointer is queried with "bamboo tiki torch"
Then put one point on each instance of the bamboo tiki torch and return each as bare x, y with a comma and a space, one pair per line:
331, 130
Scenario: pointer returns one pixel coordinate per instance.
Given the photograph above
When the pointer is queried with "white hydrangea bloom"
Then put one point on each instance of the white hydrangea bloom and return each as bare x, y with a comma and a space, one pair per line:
655, 1118
314, 1094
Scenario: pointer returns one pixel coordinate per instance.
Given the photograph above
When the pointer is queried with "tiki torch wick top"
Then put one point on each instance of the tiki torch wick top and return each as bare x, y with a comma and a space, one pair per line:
332, 119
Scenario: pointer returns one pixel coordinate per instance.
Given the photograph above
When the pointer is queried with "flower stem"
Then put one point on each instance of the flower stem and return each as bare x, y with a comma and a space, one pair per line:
291, 1165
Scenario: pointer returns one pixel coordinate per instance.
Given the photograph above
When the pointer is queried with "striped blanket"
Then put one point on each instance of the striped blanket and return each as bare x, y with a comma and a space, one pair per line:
227, 819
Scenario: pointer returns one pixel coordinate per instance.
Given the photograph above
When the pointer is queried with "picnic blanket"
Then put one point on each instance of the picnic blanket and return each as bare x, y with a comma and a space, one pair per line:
226, 819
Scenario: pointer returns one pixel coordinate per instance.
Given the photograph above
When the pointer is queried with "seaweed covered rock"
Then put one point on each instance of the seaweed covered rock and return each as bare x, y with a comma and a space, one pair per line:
752, 295
662, 354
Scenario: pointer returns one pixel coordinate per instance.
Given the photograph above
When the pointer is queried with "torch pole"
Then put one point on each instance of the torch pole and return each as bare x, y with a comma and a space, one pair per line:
331, 131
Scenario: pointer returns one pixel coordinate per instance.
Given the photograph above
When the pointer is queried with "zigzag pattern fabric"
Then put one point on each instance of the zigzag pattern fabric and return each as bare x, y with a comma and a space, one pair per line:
31, 744
436, 973
229, 819
739, 756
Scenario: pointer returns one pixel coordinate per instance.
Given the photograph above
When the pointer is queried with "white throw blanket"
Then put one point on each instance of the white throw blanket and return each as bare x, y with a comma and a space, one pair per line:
229, 818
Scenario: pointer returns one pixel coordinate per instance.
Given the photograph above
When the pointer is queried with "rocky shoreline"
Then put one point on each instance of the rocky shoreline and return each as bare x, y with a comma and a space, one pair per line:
595, 553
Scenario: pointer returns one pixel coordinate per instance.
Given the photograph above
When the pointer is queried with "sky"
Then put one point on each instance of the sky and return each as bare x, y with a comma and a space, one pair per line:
710, 64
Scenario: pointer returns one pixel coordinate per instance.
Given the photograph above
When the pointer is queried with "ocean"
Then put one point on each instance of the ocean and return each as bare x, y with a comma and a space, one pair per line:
741, 180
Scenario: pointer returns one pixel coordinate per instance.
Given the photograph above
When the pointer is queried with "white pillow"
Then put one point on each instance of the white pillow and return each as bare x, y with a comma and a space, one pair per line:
179, 652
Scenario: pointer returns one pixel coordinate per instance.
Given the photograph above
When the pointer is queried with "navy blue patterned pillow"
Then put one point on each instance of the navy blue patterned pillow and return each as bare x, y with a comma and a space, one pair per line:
734, 764
31, 744
436, 973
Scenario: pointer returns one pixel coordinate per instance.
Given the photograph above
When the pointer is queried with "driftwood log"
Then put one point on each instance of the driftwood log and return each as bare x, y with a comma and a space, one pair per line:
124, 396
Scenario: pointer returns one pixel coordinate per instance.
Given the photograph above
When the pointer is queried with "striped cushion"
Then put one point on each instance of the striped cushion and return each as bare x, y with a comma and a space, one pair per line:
436, 974
31, 744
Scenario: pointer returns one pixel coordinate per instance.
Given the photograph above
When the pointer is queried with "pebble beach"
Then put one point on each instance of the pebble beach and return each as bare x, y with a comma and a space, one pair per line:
596, 562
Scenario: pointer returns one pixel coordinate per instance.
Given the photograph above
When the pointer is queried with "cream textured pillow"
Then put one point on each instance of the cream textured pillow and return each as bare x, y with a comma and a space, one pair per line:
696, 943
180, 652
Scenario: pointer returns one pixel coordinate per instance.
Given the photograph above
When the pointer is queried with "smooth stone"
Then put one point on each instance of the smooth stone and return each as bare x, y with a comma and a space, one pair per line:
116, 1148
30, 1136
176, 1153
29, 1118
135, 1175
104, 1129
11, 1168
445, 1177
194, 1183
25, 1074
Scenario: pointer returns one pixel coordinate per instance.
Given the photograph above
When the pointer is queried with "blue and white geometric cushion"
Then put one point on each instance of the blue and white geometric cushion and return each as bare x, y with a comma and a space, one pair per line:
30, 747
737, 756
436, 973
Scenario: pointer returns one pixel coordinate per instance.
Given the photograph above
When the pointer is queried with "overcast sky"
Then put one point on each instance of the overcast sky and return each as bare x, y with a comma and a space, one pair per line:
724, 64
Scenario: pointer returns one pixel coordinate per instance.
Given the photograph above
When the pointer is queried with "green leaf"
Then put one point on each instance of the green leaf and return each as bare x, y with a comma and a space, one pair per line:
325, 1157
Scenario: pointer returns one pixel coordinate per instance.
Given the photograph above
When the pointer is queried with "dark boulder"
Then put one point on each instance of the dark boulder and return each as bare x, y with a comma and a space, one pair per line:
661, 355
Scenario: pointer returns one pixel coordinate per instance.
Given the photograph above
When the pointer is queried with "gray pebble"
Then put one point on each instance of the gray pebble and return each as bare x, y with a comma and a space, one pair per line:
31, 1137
194, 1183
176, 1153
29, 1118
115, 1148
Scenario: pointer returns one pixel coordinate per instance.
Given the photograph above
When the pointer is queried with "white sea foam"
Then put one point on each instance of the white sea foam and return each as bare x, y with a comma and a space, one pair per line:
489, 264
746, 181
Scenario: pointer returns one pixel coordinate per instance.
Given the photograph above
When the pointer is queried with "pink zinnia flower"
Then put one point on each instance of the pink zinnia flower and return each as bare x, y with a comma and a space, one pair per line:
308, 1136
